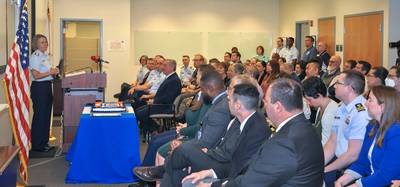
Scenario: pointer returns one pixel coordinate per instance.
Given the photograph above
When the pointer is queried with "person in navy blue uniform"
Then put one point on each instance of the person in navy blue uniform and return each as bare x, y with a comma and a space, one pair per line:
378, 162
41, 93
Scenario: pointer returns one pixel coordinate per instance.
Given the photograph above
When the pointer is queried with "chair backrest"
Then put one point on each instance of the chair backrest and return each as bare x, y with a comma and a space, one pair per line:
182, 102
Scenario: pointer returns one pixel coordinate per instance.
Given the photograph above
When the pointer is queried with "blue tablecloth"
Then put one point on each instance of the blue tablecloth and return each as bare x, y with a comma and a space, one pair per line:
105, 150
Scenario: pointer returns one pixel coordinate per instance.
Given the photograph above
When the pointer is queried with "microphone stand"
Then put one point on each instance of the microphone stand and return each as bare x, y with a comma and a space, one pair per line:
100, 66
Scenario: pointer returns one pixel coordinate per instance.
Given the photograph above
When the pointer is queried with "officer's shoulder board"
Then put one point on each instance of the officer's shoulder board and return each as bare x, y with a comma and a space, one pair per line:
360, 107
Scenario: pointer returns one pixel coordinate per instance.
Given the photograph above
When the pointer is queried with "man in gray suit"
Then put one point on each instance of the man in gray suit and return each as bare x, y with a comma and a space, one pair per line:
213, 124
245, 134
293, 156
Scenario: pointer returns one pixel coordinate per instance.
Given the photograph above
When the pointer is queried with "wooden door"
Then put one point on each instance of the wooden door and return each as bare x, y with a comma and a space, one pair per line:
363, 38
326, 33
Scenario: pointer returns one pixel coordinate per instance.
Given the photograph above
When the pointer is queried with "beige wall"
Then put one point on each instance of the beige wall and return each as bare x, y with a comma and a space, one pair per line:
291, 11
115, 16
205, 16
7, 29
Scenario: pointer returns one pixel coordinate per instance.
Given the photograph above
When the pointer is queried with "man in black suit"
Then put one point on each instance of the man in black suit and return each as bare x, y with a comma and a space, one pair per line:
293, 156
246, 132
169, 89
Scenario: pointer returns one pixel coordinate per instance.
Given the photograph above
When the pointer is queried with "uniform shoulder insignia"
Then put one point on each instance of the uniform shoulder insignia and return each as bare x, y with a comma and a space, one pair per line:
360, 107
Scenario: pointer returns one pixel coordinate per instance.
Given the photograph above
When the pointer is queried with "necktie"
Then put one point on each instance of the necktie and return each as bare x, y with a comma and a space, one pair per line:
145, 78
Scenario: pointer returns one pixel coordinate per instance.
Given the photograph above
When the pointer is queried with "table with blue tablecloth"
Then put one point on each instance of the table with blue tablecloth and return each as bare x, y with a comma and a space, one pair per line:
105, 150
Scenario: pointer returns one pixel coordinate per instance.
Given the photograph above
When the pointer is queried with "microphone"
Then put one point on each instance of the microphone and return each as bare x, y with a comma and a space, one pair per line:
91, 70
97, 59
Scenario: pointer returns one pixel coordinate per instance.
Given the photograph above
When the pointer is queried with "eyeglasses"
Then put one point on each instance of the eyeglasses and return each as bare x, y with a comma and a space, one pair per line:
340, 83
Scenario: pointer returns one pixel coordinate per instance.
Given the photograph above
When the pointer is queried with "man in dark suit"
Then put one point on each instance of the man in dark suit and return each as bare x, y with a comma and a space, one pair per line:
169, 89
246, 132
293, 156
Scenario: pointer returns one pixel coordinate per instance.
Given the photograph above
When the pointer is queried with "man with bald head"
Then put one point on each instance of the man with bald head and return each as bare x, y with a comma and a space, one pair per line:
332, 70
323, 54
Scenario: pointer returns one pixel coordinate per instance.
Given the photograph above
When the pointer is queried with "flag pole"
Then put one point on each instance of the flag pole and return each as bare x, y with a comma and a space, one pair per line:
25, 182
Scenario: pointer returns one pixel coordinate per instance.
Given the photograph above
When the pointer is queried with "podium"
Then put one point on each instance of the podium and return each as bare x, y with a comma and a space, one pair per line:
9, 164
78, 91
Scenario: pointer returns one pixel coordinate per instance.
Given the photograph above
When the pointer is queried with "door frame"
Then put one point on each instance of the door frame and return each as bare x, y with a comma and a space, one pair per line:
298, 39
64, 20
366, 14
334, 29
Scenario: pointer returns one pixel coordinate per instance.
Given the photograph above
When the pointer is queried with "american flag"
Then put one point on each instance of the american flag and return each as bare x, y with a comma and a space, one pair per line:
17, 86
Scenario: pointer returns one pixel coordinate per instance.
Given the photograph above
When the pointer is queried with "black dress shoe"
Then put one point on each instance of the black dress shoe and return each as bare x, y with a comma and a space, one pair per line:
44, 149
142, 184
148, 174
137, 184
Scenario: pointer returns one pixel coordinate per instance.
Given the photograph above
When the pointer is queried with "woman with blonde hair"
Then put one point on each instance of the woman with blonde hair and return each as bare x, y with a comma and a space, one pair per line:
41, 93
378, 162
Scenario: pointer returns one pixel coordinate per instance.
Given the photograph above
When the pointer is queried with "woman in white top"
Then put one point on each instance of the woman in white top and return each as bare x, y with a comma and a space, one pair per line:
41, 93
315, 93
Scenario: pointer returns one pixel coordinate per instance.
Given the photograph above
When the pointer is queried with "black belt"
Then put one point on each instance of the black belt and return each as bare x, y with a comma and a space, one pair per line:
41, 82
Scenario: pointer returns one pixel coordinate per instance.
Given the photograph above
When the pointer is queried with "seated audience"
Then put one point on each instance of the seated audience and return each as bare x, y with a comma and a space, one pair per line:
273, 70
315, 93
378, 162
145, 92
293, 156
349, 65
235, 57
363, 67
166, 94
234, 49
222, 69
197, 61
299, 69
333, 69
376, 76
393, 79
182, 129
313, 69
227, 58
252, 71
235, 69
344, 143
143, 69
260, 54
281, 60
186, 71
288, 68
141, 78
214, 122
261, 67
245, 134
275, 56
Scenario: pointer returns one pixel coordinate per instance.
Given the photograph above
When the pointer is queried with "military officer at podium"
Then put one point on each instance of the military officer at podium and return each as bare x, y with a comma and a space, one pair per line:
41, 93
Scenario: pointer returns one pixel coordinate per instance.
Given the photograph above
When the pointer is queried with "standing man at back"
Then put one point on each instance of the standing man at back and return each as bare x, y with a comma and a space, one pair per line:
311, 51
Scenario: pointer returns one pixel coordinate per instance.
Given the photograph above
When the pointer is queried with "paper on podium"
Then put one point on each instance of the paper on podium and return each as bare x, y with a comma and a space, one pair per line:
107, 114
75, 73
87, 110
130, 110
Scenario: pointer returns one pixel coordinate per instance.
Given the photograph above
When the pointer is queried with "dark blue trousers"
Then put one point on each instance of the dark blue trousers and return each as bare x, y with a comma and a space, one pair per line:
42, 102
156, 142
